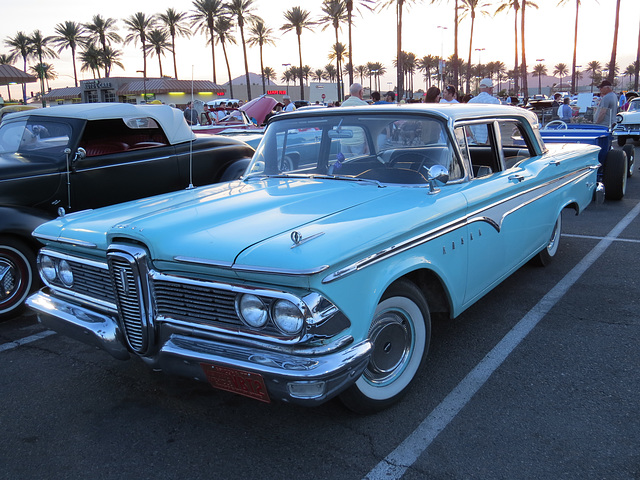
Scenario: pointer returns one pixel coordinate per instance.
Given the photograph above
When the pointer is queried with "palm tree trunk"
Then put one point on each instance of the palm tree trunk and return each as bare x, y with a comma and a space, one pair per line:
635, 85
455, 48
24, 85
226, 59
213, 57
525, 80
515, 64
75, 72
399, 64
246, 64
473, 20
614, 50
160, 64
300, 56
173, 49
349, 17
575, 50
264, 86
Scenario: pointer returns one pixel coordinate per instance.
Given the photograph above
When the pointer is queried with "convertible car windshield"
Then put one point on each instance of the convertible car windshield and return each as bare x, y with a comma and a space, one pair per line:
40, 136
397, 149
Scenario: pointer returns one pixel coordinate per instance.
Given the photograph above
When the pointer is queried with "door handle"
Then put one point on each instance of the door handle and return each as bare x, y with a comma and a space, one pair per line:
517, 178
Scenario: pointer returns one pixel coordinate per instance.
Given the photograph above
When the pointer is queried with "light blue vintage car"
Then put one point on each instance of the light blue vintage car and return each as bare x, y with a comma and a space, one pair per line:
318, 272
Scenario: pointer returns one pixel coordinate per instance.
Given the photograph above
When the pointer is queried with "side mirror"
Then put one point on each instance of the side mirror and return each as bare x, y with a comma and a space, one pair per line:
437, 173
80, 154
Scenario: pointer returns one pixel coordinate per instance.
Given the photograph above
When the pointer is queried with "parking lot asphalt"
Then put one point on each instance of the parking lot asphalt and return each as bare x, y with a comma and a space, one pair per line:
539, 379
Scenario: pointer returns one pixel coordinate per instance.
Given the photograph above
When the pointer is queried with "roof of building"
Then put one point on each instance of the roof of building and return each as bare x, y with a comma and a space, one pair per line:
166, 85
67, 93
10, 74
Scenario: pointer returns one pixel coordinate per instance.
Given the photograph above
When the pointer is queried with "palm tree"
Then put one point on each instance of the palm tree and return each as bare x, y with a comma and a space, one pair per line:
91, 59
19, 46
453, 61
614, 49
41, 50
203, 18
593, 68
334, 14
260, 35
287, 76
269, 74
399, 6
425, 65
469, 7
139, 25
560, 70
110, 57
525, 86
241, 10
174, 22
69, 35
575, 43
539, 70
338, 53
44, 71
102, 31
223, 27
361, 70
515, 5
298, 19
330, 70
318, 75
158, 44
350, 7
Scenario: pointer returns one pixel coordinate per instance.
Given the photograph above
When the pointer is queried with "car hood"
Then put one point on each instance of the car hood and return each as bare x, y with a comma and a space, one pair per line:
630, 117
253, 223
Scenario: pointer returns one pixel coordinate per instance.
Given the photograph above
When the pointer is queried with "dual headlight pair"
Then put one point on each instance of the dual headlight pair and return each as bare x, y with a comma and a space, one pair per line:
255, 312
55, 270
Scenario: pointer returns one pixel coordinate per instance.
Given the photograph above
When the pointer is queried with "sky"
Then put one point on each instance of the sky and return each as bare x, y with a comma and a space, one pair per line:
549, 36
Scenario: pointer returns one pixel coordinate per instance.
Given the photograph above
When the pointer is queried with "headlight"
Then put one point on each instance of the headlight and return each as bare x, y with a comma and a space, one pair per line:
65, 274
47, 268
252, 310
619, 118
287, 317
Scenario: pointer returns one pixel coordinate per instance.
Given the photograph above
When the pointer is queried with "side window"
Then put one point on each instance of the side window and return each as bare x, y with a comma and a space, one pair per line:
102, 137
514, 147
483, 153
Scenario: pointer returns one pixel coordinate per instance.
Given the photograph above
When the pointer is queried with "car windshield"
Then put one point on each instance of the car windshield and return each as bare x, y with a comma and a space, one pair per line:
387, 148
634, 106
40, 136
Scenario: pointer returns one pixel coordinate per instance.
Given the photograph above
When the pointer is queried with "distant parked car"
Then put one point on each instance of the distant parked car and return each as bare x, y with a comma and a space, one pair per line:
318, 277
628, 123
76, 157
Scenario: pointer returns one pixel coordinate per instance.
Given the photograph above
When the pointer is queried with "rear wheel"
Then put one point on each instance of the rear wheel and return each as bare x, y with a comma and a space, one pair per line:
17, 276
631, 158
550, 251
400, 333
614, 176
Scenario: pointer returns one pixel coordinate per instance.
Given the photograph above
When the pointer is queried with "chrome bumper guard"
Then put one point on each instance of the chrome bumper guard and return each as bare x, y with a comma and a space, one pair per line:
183, 355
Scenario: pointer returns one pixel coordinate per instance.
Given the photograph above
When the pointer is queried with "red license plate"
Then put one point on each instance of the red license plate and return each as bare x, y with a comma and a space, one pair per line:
244, 383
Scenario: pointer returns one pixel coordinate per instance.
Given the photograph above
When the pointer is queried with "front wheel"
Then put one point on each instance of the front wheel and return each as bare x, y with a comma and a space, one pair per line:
400, 333
549, 252
17, 276
614, 176
631, 158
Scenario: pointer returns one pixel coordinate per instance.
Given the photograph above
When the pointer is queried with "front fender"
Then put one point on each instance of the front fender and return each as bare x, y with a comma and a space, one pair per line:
21, 221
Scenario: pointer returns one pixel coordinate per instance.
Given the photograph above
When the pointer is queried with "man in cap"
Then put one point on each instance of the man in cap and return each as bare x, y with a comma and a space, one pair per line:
288, 106
608, 107
486, 93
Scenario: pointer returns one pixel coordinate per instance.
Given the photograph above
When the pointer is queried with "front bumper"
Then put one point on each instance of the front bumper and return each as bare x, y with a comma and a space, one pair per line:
626, 130
182, 354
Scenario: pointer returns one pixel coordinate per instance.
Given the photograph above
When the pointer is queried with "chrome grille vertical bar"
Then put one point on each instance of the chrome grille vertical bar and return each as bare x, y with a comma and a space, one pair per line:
129, 272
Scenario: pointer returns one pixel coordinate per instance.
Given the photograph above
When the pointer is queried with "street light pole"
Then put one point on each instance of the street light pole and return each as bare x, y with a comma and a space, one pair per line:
287, 65
441, 62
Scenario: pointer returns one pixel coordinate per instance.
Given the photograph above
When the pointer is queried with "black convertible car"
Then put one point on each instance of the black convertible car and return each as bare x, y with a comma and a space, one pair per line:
59, 160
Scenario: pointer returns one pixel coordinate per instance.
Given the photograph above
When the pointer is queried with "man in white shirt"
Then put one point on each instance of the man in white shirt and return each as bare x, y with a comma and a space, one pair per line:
449, 95
486, 93
356, 96
288, 106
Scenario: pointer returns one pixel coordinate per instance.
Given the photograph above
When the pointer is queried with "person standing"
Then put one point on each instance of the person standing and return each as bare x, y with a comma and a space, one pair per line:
355, 97
432, 95
389, 98
564, 111
288, 106
449, 95
608, 107
190, 115
486, 93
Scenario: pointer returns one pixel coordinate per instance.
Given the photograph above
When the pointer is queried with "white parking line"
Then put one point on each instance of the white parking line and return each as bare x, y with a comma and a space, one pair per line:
592, 237
407, 453
23, 341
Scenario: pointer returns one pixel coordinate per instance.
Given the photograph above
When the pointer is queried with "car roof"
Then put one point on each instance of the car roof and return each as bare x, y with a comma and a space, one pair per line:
170, 119
452, 111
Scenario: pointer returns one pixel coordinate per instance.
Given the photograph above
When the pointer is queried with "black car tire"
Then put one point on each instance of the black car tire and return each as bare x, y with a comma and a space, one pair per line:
547, 254
621, 140
17, 276
631, 157
614, 176
400, 333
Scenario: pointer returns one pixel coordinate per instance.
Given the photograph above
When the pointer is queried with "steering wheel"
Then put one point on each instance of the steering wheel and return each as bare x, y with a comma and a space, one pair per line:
410, 157
556, 125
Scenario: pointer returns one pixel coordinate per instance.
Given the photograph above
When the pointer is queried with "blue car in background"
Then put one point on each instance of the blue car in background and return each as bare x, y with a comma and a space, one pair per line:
317, 273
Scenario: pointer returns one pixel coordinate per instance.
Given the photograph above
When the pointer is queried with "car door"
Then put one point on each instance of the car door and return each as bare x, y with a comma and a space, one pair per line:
507, 216
122, 163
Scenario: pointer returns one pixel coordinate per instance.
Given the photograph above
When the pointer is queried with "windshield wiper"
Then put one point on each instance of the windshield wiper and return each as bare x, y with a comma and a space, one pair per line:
350, 179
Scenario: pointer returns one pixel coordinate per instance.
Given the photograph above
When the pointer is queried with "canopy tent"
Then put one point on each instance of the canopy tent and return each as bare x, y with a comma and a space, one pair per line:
10, 74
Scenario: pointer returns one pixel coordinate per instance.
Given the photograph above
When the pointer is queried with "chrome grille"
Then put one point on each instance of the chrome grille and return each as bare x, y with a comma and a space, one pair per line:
92, 281
130, 289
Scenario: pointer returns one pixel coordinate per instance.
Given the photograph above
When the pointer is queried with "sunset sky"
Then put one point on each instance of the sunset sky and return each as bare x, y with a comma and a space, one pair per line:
549, 36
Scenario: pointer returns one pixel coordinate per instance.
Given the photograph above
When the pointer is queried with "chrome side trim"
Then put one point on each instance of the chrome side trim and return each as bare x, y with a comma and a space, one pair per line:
501, 211
64, 240
250, 268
